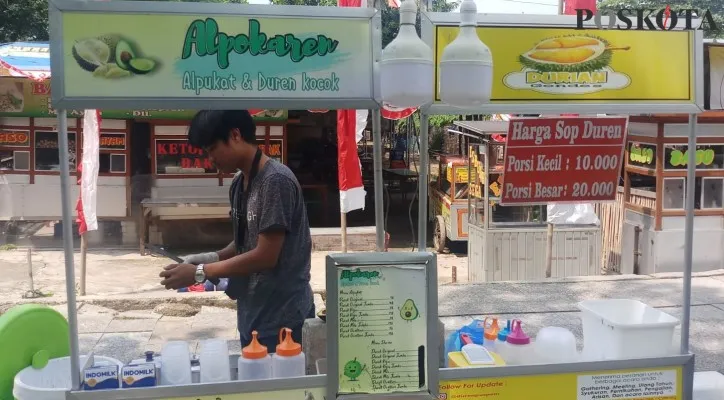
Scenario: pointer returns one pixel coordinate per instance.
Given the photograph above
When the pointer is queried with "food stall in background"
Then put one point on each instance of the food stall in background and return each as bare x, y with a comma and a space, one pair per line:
449, 191
654, 193
144, 154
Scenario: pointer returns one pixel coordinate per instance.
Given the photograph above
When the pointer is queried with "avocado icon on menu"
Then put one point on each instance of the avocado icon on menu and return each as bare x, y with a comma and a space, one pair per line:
408, 311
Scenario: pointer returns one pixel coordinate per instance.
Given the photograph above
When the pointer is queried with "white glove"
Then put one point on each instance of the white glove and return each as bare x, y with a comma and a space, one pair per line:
201, 258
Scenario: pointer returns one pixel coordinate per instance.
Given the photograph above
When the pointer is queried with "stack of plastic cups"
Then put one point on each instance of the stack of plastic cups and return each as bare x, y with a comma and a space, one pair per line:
176, 364
214, 360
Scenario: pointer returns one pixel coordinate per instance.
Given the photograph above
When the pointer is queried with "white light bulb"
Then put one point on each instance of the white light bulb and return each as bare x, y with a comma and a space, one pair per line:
406, 68
466, 64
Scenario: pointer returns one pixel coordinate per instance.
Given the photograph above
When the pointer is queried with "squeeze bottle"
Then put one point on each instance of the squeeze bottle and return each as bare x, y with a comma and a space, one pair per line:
490, 333
288, 361
255, 362
518, 349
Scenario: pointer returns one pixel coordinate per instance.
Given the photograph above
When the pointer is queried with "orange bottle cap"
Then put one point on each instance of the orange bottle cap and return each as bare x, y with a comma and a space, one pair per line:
287, 347
254, 350
490, 332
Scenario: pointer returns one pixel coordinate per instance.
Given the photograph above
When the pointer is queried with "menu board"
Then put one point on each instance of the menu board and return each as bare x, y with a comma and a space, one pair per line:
382, 314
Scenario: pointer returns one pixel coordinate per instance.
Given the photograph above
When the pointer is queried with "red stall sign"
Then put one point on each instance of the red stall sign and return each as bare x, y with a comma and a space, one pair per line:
563, 160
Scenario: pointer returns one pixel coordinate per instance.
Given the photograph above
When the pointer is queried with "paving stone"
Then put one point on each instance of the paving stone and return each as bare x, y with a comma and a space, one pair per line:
123, 346
132, 325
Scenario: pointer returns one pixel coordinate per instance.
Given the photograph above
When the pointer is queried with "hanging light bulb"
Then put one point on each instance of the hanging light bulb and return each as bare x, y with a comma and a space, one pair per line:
466, 65
406, 68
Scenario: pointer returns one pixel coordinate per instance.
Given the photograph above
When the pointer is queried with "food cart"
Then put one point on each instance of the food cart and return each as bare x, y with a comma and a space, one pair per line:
511, 244
449, 192
448, 202
360, 279
96, 41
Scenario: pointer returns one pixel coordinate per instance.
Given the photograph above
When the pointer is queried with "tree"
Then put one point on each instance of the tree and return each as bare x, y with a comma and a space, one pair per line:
390, 16
23, 20
27, 20
716, 7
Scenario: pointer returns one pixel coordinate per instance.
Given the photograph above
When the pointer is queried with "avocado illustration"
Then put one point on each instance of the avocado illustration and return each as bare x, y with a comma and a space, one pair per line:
677, 158
408, 311
124, 54
91, 53
353, 369
141, 65
575, 53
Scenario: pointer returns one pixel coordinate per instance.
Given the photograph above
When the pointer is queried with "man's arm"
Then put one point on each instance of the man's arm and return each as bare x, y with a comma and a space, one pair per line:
227, 252
262, 258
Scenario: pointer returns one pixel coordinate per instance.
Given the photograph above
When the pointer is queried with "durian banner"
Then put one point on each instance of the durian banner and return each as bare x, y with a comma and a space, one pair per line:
559, 64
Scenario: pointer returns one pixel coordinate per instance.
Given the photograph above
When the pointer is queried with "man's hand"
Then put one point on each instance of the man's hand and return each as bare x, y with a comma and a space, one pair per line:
178, 276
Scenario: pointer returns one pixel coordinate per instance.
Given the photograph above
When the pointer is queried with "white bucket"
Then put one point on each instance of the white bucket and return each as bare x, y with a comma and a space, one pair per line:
624, 329
51, 382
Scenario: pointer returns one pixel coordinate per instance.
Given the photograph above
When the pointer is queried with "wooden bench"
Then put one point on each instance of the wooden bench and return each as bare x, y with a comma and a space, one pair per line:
153, 210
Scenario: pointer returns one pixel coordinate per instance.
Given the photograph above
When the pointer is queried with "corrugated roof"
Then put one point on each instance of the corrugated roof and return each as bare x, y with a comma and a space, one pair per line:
30, 59
482, 127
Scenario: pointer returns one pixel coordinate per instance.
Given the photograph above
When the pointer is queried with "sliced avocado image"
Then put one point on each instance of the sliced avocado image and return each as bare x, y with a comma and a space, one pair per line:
141, 65
576, 53
124, 54
408, 311
91, 53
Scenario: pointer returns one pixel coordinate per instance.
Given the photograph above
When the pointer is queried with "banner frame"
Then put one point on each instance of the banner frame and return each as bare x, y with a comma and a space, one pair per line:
431, 20
56, 8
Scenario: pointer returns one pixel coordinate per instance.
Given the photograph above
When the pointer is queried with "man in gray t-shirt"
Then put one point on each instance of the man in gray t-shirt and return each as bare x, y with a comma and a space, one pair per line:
268, 263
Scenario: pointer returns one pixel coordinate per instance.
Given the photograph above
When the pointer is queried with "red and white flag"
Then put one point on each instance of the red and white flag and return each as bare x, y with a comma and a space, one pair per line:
350, 126
88, 173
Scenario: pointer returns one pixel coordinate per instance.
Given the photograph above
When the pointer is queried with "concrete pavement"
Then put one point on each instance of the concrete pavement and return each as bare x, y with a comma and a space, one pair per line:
127, 313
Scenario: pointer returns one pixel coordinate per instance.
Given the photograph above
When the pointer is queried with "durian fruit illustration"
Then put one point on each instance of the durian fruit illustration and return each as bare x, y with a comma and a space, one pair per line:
579, 53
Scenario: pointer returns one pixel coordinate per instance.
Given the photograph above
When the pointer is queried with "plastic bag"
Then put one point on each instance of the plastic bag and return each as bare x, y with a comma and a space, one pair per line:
453, 343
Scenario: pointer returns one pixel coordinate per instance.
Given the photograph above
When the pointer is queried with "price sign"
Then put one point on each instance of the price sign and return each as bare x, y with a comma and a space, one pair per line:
563, 160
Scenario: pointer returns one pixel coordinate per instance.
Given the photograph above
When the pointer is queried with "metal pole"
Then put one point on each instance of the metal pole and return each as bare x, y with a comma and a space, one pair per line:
68, 247
689, 235
560, 7
379, 195
423, 181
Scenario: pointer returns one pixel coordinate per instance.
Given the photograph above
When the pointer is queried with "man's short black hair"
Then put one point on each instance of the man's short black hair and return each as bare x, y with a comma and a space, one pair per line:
209, 126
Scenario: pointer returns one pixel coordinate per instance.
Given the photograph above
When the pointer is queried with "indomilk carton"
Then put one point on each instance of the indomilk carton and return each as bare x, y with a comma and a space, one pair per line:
139, 375
101, 377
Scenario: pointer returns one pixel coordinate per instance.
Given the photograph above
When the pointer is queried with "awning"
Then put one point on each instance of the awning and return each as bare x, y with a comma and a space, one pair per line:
24, 59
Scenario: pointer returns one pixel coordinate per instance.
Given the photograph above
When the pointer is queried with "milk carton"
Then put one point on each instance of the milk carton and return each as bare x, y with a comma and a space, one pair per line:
101, 377
140, 375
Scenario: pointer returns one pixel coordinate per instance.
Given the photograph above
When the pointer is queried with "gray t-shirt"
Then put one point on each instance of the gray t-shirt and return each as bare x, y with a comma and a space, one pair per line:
282, 297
